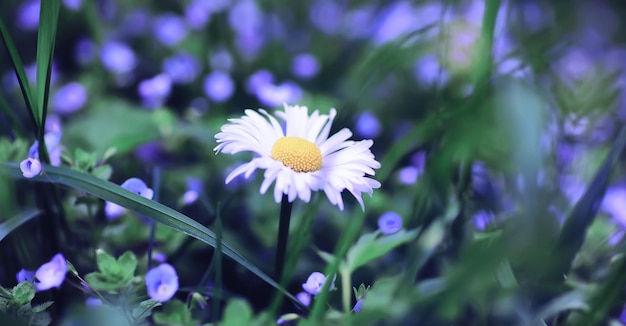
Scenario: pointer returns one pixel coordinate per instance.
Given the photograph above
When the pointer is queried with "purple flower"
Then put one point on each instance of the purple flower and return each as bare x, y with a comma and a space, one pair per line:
398, 20
135, 185
305, 66
304, 298
258, 79
408, 175
249, 44
155, 90
614, 203
183, 68
428, 71
53, 124
51, 274
135, 23
28, 15
315, 283
85, 51
358, 305
69, 98
272, 95
197, 14
245, 18
169, 29
358, 23
221, 60
25, 275
73, 4
367, 125
194, 188
481, 219
162, 282
390, 223
326, 16
30, 167
92, 302
219, 86
118, 57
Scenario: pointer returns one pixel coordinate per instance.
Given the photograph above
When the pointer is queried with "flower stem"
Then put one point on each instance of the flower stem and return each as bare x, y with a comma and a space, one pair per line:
283, 235
346, 289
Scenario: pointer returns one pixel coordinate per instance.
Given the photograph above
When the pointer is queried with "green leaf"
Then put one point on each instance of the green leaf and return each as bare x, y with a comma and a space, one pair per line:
369, 247
174, 312
144, 309
149, 208
574, 229
41, 307
103, 172
15, 222
127, 264
24, 292
46, 36
106, 263
573, 300
102, 282
237, 312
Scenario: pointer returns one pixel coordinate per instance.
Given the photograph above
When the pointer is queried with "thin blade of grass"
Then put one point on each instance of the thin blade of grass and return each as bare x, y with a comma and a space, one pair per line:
20, 73
574, 229
16, 221
46, 36
155, 211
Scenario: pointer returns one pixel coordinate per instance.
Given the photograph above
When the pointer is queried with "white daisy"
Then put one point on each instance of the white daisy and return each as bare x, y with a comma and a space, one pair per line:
301, 158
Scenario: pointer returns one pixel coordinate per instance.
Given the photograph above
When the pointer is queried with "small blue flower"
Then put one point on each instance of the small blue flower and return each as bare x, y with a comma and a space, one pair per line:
73, 4
162, 282
135, 185
155, 90
92, 302
315, 283
358, 305
304, 298
28, 15
408, 175
390, 223
69, 98
25, 275
367, 125
169, 29
118, 57
183, 68
258, 79
219, 86
221, 60
30, 167
305, 66
51, 274
194, 188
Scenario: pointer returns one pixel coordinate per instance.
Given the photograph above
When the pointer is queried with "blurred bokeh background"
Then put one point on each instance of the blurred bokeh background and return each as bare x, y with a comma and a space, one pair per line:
511, 120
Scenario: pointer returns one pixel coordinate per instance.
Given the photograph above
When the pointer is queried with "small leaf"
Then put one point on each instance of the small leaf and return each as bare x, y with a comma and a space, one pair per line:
101, 282
127, 263
369, 248
42, 307
237, 312
144, 309
15, 222
106, 263
24, 292
71, 268
174, 312
103, 172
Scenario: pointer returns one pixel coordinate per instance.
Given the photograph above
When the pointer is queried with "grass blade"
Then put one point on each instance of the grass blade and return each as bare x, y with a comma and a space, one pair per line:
151, 209
15, 222
575, 227
46, 36
20, 73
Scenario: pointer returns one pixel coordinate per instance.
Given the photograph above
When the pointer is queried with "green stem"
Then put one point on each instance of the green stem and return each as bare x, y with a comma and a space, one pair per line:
217, 284
283, 237
483, 59
346, 289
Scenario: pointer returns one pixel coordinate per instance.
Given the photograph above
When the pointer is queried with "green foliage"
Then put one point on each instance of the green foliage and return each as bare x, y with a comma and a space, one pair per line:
113, 274
144, 310
175, 312
16, 304
237, 312
15, 222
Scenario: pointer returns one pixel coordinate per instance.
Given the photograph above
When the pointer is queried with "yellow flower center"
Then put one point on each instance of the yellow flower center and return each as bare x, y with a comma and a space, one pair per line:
297, 153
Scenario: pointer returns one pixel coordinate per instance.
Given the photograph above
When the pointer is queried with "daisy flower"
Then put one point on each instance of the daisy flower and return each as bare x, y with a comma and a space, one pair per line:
300, 158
